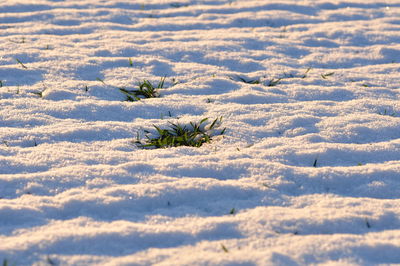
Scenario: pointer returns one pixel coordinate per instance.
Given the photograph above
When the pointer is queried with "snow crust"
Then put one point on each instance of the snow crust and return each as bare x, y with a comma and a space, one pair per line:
308, 171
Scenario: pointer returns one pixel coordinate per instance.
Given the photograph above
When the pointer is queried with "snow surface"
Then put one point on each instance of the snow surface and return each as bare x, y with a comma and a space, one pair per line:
308, 171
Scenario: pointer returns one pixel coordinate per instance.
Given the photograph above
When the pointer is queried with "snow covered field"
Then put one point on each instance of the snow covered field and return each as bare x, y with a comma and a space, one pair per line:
307, 172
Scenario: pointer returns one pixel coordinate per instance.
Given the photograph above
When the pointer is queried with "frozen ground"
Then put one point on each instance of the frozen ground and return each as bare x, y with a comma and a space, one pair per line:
308, 171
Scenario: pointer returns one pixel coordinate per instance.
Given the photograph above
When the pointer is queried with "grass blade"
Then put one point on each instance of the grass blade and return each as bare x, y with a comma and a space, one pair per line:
324, 76
19, 62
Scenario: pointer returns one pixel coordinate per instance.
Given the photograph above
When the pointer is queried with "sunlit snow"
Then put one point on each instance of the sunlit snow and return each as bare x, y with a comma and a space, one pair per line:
307, 172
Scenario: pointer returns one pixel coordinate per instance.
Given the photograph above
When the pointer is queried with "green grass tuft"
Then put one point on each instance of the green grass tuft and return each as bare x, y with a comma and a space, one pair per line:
387, 112
306, 73
146, 90
21, 41
39, 93
248, 81
273, 82
178, 5
194, 135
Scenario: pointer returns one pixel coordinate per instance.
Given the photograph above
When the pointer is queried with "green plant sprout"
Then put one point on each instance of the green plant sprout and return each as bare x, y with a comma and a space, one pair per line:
273, 82
176, 135
178, 5
387, 112
248, 81
305, 73
101, 80
19, 62
224, 248
39, 93
21, 41
325, 76
146, 90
